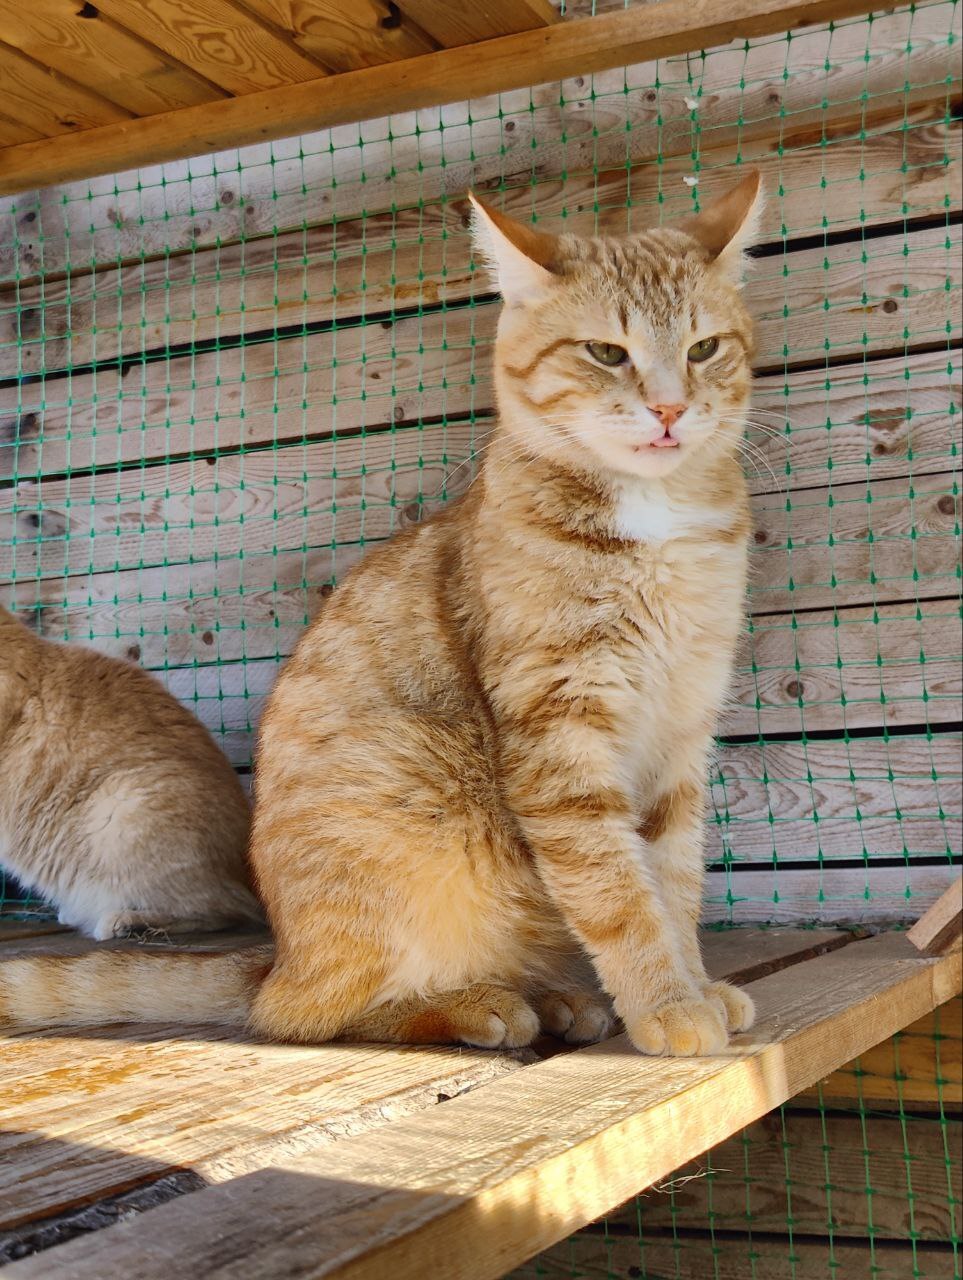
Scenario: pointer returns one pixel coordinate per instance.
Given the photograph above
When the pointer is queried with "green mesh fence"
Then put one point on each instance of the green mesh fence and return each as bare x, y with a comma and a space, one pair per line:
222, 380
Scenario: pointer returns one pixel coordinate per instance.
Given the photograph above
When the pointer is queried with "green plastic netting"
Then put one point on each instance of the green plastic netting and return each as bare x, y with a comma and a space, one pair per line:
221, 381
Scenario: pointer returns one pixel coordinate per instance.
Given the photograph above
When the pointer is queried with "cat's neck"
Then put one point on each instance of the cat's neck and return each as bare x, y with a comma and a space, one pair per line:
706, 495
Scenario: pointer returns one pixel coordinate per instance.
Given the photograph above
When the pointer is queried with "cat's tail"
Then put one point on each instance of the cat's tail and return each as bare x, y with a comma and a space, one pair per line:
116, 986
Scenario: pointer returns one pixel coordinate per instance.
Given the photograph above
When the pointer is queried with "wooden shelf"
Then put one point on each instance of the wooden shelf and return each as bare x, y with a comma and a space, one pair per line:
94, 89
534, 1146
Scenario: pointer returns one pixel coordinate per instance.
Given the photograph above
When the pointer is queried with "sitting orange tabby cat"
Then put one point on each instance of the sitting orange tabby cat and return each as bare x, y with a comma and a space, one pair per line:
486, 761
115, 802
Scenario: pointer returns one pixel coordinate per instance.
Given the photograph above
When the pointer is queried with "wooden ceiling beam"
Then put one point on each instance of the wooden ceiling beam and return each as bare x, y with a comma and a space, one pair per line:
509, 62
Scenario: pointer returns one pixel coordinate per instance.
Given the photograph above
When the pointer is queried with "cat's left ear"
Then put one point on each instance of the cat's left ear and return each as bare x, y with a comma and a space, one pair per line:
728, 226
520, 259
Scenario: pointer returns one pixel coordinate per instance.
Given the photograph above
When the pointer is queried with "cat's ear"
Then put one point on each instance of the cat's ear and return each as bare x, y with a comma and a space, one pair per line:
519, 258
728, 226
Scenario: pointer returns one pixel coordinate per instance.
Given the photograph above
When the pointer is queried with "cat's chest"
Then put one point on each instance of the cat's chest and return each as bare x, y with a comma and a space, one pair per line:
649, 515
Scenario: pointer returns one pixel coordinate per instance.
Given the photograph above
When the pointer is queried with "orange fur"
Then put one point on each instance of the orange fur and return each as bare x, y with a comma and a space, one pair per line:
484, 766
115, 802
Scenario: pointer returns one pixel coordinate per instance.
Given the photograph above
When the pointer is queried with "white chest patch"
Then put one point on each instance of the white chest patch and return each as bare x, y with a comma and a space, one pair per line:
649, 515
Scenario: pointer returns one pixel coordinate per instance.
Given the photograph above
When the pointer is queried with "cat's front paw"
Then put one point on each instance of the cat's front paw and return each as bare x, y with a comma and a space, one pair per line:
740, 1012
679, 1029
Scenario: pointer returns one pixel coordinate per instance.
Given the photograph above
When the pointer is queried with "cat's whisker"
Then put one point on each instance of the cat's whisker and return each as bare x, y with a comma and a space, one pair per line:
755, 455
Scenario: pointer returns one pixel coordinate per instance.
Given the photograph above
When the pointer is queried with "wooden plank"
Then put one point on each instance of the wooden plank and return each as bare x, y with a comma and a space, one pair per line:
103, 57
438, 365
813, 1172
133, 1104
48, 102
361, 489
219, 41
827, 547
921, 1067
509, 62
140, 1102
772, 87
734, 1257
940, 928
453, 25
865, 798
870, 666
391, 260
858, 421
829, 895
855, 544
255, 608
474, 1187
344, 36
12, 131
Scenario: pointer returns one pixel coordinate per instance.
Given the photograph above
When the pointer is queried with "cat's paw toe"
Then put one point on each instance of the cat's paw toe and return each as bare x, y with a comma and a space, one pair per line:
680, 1029
740, 1012
507, 1022
575, 1016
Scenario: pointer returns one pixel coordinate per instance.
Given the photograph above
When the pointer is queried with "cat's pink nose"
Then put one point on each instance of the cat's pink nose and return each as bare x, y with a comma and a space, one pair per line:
668, 414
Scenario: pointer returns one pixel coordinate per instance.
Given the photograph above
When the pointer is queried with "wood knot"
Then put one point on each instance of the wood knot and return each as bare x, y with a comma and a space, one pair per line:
133, 652
890, 305
760, 536
794, 689
208, 637
946, 506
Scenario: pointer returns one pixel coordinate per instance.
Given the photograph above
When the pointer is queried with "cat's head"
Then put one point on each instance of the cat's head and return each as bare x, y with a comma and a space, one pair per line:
628, 355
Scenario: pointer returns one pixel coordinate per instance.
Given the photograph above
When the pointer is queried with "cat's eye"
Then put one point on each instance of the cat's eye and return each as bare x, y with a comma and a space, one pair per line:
607, 353
703, 349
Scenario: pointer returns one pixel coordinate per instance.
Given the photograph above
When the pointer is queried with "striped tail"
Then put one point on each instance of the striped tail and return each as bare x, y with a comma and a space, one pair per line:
118, 986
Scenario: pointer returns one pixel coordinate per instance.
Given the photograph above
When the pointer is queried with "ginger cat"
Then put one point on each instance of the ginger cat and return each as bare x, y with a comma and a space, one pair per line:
115, 803
485, 765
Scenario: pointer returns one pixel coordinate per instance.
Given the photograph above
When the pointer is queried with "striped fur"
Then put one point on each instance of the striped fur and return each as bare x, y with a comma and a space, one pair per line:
480, 778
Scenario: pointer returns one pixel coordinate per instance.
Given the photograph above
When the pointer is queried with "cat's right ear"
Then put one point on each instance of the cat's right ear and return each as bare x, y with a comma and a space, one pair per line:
519, 258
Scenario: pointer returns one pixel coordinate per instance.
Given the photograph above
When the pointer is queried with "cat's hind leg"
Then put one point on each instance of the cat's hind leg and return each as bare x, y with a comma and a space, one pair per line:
485, 1014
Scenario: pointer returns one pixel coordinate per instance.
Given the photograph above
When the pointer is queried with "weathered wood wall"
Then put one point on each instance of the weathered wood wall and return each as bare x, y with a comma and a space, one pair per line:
221, 381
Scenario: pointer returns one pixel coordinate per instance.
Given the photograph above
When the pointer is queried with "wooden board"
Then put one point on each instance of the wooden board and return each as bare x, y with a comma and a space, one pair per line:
838, 547
393, 260
101, 56
257, 608
940, 928
48, 103
476, 1186
220, 41
734, 1257
874, 798
437, 366
91, 1112
798, 91
920, 1068
300, 103
345, 37
812, 1172
893, 665
827, 895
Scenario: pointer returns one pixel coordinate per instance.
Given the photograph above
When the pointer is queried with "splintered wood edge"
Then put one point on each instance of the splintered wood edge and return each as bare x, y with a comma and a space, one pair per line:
580, 47
939, 929
471, 1188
